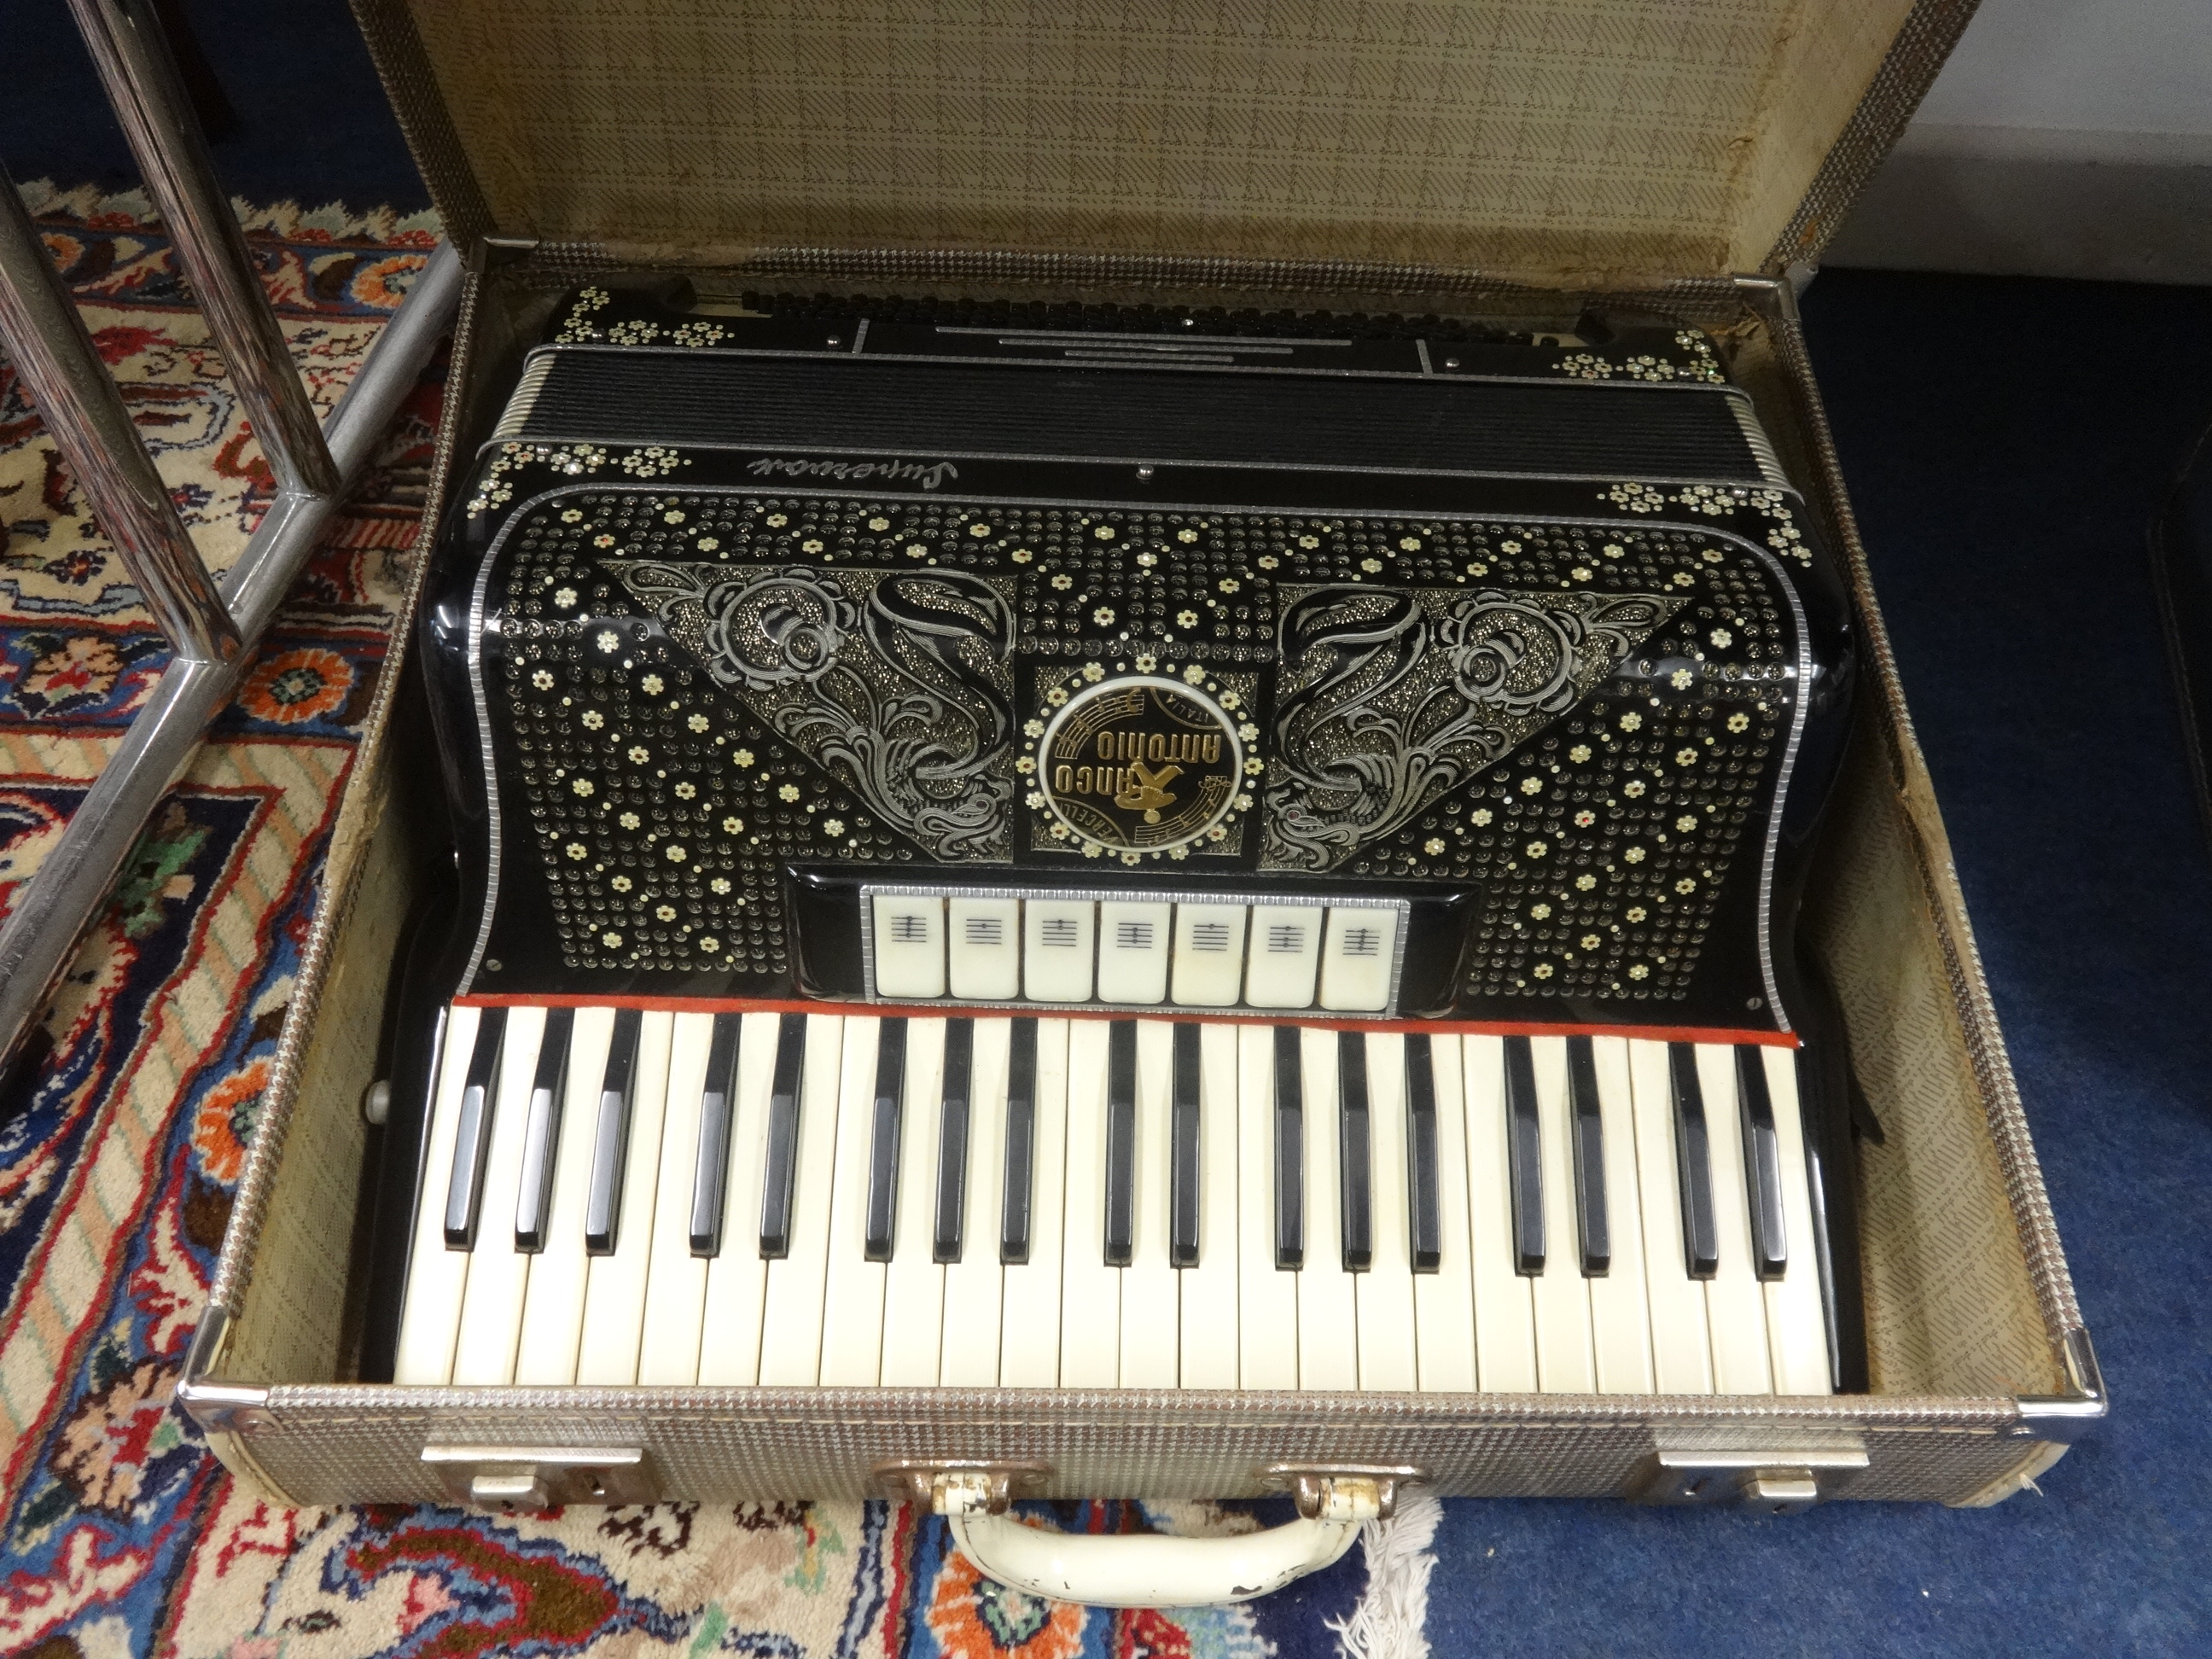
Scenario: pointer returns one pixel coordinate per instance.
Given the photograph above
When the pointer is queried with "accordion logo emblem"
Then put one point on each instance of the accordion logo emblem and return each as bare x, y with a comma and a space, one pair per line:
1141, 764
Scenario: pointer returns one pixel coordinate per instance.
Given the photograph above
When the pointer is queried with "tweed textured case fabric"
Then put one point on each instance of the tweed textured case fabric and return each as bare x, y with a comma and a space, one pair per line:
1599, 143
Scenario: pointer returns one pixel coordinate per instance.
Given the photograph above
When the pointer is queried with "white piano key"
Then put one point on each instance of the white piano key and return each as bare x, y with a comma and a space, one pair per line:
909, 945
1566, 1360
983, 949
1328, 1321
1796, 1323
1132, 952
1735, 1302
437, 1278
791, 1321
1267, 1296
498, 1274
736, 1279
675, 1279
914, 1283
1681, 1353
1388, 1357
553, 1307
615, 1296
1504, 1304
1358, 951
1282, 957
1208, 966
1059, 949
852, 1294
1029, 1324
1208, 1292
1620, 1318
973, 1285
1444, 1301
1090, 1291
1150, 1319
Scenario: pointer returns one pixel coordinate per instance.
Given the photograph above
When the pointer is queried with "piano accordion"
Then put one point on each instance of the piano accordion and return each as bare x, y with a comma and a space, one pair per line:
1063, 847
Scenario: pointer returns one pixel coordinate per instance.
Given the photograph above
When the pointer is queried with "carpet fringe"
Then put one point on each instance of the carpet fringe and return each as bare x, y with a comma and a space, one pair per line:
1394, 1610
332, 222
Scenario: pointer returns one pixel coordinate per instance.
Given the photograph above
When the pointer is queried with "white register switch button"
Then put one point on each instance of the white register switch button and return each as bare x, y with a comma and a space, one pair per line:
984, 945
1133, 951
1358, 953
1059, 945
909, 945
1284, 957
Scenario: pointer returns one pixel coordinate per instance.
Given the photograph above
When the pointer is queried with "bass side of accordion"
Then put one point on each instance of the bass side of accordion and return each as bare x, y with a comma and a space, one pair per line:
1163, 853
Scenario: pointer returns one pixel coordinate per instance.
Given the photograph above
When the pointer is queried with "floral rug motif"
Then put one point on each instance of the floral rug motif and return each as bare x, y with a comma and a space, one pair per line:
118, 1159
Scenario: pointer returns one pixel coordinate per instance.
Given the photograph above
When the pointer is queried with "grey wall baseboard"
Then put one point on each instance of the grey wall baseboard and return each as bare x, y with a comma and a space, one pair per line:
2036, 202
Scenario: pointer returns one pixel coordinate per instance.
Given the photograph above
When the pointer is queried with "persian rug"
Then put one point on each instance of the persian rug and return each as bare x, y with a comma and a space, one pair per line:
119, 1157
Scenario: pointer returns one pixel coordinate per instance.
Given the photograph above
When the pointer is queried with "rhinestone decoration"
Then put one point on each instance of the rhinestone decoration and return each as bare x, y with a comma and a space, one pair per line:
658, 796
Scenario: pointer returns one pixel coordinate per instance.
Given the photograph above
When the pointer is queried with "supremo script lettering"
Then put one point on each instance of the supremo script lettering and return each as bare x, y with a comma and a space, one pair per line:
928, 476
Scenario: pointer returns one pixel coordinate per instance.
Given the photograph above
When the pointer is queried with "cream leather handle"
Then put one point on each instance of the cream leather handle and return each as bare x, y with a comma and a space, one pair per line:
1145, 1570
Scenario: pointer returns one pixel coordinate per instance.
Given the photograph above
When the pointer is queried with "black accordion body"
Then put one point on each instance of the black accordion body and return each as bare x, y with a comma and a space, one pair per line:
908, 660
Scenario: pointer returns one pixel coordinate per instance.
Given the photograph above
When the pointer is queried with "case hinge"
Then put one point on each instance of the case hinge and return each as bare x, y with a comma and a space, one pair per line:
509, 1477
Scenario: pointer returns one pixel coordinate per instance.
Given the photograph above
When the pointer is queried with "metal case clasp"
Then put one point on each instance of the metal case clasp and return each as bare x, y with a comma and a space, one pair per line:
510, 1478
1776, 1481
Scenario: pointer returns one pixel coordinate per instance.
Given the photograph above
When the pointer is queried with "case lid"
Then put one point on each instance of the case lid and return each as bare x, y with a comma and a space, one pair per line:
1588, 145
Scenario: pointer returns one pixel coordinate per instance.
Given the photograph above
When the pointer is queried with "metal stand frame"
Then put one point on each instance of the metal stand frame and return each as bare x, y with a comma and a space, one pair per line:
212, 624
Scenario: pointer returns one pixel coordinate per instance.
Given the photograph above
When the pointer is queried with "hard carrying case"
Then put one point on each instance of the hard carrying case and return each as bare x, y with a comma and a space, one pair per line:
1515, 157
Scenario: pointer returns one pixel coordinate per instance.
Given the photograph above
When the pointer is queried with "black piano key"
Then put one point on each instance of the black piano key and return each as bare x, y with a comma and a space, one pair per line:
1424, 1183
1762, 1164
541, 1134
610, 1137
472, 1135
1693, 1164
1594, 1237
952, 1141
1121, 1143
1524, 1156
884, 1136
1021, 1143
1355, 1147
1289, 1150
782, 1170
1182, 1151
710, 1171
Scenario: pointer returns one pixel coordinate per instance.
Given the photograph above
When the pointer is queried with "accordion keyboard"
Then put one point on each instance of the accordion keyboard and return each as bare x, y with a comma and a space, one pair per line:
616, 1196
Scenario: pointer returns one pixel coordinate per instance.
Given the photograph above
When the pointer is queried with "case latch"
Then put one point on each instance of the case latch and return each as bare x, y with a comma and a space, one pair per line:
510, 1478
1775, 1482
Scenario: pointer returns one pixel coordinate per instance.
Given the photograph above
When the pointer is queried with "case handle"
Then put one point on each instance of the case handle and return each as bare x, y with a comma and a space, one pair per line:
1148, 1571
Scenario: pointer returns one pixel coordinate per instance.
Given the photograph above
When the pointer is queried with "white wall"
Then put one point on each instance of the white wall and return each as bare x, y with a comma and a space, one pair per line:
2097, 65
2062, 138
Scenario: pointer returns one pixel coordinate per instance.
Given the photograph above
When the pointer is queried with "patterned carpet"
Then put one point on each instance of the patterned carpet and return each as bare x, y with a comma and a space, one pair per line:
119, 1160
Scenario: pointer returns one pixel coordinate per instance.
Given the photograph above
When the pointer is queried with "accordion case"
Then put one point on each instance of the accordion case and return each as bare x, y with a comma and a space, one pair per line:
1206, 660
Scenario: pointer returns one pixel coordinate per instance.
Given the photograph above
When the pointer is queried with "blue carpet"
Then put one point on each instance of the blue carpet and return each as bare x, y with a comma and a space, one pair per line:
2006, 441
2004, 472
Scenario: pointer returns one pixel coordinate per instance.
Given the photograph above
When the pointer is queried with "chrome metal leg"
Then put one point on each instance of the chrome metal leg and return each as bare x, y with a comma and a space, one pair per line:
83, 410
141, 77
53, 912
